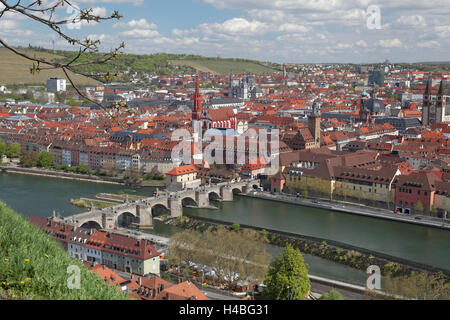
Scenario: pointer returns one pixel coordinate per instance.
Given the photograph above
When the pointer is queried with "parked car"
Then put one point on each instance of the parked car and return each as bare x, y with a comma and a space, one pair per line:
315, 201
418, 218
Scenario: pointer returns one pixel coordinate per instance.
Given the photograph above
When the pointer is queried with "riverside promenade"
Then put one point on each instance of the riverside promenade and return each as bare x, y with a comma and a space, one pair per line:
352, 208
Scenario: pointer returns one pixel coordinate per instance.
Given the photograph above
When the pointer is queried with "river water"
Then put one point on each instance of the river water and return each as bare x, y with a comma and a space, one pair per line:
39, 196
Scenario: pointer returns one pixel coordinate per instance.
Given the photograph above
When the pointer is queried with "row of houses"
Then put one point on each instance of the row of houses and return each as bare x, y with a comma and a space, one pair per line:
363, 177
119, 252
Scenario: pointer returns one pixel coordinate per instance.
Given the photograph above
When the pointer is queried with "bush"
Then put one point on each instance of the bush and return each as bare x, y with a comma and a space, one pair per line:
332, 295
236, 226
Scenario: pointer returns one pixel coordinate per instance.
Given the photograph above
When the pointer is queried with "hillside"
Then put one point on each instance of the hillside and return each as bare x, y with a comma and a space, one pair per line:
224, 66
34, 266
16, 70
162, 63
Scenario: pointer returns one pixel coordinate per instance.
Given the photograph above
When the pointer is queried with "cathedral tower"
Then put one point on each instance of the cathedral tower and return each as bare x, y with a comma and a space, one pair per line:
440, 102
197, 112
314, 123
427, 104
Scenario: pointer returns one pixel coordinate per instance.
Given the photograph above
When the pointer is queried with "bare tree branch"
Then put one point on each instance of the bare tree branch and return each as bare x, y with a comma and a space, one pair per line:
44, 15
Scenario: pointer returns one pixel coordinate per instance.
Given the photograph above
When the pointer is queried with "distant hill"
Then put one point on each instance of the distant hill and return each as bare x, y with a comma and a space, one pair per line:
224, 66
16, 70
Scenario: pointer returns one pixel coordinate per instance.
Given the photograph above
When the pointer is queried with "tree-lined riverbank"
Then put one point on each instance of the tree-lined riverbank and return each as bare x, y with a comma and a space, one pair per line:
357, 258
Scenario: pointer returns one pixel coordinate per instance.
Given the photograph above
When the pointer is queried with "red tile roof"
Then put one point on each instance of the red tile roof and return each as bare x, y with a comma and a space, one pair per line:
187, 169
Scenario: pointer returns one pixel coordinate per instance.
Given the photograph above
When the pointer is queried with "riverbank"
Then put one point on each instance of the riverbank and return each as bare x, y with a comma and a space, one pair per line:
357, 258
61, 175
351, 208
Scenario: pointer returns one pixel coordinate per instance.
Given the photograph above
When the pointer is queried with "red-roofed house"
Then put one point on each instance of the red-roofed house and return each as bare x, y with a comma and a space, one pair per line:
182, 177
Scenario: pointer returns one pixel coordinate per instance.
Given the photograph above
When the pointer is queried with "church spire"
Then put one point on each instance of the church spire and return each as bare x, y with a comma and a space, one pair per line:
197, 110
442, 87
428, 87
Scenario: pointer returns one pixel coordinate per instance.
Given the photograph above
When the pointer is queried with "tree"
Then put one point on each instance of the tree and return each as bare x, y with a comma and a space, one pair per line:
88, 49
183, 248
84, 168
45, 160
287, 278
236, 255
417, 286
29, 159
3, 148
232, 255
305, 193
13, 151
418, 207
333, 294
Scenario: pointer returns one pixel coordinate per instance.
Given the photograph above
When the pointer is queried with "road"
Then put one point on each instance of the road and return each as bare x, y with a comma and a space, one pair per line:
354, 209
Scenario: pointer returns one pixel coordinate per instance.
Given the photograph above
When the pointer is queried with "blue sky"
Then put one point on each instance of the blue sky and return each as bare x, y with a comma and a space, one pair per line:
280, 31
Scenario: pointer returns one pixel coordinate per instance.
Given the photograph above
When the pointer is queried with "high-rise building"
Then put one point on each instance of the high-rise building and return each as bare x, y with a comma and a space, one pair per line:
376, 77
56, 85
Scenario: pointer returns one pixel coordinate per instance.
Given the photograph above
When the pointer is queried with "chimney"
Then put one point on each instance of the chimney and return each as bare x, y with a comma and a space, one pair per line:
140, 281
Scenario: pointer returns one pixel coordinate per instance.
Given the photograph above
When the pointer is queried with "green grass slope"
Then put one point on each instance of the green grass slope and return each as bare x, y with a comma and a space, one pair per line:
34, 266
15, 69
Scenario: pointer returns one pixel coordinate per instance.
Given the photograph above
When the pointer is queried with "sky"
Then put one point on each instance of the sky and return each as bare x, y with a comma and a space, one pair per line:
283, 31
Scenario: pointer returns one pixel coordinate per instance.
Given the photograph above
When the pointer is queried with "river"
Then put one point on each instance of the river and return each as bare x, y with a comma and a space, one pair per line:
39, 196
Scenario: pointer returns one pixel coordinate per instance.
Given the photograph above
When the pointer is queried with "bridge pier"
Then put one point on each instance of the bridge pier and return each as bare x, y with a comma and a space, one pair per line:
108, 221
175, 206
202, 199
144, 215
226, 192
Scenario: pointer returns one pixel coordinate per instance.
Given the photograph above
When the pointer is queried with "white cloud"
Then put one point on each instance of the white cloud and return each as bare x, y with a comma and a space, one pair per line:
361, 43
429, 44
414, 20
390, 43
141, 23
236, 26
140, 33
7, 24
290, 27
344, 46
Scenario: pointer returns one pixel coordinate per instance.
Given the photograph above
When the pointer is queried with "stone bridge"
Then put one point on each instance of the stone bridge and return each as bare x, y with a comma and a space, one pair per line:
140, 213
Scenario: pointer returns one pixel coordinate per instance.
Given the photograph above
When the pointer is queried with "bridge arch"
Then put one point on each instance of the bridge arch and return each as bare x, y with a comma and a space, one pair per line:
126, 219
213, 195
237, 190
159, 209
189, 202
91, 225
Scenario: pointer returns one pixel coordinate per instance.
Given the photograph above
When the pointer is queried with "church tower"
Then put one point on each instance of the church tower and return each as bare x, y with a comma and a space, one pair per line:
314, 123
440, 102
427, 104
197, 111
